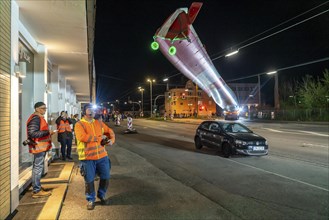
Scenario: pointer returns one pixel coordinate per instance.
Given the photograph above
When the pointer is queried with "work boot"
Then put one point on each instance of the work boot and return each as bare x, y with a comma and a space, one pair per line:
103, 200
40, 194
90, 205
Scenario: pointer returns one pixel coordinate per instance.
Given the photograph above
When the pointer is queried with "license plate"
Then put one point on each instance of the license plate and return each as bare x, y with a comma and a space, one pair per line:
258, 148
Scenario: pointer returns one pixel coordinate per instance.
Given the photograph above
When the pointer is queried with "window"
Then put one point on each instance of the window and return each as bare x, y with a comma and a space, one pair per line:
205, 125
25, 105
214, 127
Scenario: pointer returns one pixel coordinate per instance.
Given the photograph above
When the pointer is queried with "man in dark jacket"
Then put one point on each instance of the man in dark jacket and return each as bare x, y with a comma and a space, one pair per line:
65, 135
39, 143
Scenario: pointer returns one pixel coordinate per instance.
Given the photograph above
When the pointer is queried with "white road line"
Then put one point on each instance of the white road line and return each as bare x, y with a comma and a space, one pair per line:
314, 145
297, 132
270, 129
285, 177
315, 133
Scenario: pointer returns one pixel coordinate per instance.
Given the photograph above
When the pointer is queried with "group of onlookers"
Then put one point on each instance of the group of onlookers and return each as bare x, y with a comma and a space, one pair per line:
92, 135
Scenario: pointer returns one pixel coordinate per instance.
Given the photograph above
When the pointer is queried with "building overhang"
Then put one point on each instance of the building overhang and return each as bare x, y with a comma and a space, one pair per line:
66, 28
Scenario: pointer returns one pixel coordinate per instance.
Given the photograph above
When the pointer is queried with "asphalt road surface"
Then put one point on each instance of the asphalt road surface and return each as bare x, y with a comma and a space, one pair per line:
292, 182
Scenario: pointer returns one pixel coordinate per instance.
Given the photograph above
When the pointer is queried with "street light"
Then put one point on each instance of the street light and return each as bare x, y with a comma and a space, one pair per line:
276, 89
232, 53
155, 100
151, 81
166, 80
142, 92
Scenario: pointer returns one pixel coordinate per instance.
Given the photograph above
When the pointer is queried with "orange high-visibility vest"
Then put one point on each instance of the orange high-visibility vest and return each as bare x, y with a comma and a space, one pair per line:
64, 126
89, 136
43, 143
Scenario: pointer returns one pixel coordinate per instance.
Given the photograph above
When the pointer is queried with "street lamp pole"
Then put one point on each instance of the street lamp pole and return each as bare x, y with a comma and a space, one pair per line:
142, 92
276, 89
150, 81
276, 92
166, 80
259, 98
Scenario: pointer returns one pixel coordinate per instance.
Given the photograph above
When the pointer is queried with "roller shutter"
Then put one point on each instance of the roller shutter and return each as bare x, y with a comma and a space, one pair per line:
5, 50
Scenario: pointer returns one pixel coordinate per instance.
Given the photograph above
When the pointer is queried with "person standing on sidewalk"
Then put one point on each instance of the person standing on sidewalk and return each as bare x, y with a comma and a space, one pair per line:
39, 141
65, 135
92, 136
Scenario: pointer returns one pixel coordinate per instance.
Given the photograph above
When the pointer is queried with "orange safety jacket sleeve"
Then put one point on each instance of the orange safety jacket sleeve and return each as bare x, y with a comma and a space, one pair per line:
108, 132
83, 136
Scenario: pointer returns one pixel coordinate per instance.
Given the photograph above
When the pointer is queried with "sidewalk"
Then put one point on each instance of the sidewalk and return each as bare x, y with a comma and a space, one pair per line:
137, 190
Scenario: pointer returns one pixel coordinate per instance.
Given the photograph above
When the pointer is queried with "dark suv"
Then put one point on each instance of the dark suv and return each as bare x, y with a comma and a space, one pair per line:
230, 138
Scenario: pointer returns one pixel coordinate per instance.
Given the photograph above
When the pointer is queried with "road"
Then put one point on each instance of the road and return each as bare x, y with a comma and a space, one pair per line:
292, 182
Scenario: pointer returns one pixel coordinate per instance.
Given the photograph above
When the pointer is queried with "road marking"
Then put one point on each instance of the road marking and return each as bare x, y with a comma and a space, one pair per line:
313, 145
315, 133
297, 132
270, 129
285, 177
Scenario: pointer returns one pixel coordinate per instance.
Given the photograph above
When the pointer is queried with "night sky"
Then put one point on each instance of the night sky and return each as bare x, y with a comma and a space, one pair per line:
125, 29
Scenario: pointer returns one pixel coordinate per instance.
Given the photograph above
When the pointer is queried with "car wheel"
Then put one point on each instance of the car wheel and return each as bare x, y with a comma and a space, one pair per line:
226, 150
197, 142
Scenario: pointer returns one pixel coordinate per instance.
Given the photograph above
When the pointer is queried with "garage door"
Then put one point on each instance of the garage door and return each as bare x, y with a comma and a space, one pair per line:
5, 108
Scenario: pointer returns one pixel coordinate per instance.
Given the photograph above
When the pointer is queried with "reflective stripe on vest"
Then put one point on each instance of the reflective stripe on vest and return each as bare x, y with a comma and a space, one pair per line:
42, 145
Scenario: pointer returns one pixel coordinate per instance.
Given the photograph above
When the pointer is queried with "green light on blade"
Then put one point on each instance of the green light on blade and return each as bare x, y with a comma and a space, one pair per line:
172, 50
155, 45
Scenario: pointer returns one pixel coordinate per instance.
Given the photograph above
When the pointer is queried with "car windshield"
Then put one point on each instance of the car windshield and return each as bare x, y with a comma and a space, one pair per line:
235, 128
231, 108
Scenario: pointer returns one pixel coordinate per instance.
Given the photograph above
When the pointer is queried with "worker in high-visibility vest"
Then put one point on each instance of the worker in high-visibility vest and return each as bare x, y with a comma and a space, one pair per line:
39, 142
65, 135
92, 136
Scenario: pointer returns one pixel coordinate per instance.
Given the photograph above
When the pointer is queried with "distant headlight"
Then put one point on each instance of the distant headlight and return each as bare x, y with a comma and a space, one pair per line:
266, 143
240, 142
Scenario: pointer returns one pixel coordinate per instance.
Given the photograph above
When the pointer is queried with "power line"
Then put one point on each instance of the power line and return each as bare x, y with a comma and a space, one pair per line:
281, 24
285, 29
280, 69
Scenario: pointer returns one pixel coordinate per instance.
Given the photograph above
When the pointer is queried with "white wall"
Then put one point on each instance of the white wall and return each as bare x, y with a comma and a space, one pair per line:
14, 120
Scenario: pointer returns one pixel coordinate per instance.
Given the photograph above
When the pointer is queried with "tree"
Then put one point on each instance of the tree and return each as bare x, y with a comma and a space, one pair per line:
313, 92
288, 92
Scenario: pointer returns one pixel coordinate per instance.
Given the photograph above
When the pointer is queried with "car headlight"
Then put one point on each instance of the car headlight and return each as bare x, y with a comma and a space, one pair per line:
266, 143
240, 142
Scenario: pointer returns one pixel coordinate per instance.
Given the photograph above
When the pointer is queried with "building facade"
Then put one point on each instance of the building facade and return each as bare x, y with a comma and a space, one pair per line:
189, 101
32, 69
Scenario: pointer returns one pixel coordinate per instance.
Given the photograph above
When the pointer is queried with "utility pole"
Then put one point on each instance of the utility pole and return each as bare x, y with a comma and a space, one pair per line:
276, 92
142, 92
259, 98
150, 81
